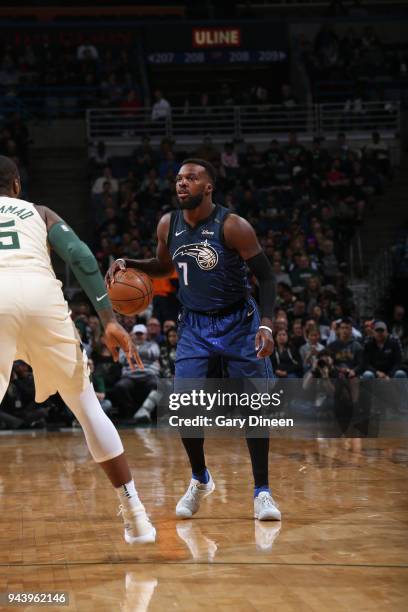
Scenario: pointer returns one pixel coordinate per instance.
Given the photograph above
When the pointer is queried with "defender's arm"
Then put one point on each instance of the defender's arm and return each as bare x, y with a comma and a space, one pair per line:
82, 262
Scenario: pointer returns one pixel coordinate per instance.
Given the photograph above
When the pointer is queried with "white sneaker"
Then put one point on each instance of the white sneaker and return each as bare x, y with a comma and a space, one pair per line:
190, 502
138, 528
266, 508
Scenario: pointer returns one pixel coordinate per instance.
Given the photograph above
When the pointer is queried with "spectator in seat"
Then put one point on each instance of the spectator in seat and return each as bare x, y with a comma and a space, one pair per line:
229, 160
303, 271
399, 325
286, 361
368, 330
310, 351
168, 354
298, 335
87, 51
294, 148
100, 157
154, 332
208, 150
329, 263
347, 353
161, 109
131, 104
382, 355
379, 152
281, 277
97, 187
136, 386
168, 324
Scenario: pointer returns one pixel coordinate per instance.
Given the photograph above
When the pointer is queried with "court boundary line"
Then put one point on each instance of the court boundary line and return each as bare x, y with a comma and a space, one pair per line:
218, 563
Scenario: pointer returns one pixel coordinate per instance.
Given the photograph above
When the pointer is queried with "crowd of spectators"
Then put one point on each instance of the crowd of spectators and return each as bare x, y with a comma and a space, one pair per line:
63, 78
14, 143
356, 55
305, 204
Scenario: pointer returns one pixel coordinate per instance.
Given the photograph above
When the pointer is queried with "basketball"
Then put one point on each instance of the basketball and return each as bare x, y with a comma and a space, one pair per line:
131, 293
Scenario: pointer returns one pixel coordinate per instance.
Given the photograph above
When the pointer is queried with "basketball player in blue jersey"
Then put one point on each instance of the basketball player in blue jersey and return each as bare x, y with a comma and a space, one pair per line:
211, 248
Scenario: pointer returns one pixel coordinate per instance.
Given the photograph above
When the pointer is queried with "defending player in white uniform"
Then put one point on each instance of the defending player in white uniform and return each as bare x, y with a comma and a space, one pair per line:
35, 326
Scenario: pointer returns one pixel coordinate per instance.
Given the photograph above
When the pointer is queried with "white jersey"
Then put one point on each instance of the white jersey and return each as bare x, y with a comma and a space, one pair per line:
23, 238
35, 322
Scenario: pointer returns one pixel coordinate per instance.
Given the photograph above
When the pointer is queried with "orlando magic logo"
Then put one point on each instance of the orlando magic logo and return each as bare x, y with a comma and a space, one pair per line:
204, 254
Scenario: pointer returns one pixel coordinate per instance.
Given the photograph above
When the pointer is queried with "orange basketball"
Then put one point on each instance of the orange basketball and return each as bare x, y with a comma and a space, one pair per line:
131, 292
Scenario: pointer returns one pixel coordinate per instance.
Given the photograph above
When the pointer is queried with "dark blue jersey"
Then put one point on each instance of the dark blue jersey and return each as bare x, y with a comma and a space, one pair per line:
211, 276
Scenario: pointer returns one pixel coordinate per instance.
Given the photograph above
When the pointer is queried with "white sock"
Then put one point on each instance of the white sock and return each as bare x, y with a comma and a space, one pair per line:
127, 494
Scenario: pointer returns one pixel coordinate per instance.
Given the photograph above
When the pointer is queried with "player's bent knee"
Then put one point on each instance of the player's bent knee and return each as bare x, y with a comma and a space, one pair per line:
101, 435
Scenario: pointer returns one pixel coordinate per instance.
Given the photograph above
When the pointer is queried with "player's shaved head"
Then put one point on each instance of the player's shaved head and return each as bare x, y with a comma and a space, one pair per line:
8, 173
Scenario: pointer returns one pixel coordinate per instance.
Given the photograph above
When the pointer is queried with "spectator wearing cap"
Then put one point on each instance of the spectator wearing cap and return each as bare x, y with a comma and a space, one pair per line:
382, 355
136, 386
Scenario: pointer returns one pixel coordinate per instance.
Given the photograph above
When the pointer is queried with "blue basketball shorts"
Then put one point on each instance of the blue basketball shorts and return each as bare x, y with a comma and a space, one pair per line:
219, 346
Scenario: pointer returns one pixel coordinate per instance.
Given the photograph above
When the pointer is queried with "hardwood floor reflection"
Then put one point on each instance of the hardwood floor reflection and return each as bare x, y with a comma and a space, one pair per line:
342, 544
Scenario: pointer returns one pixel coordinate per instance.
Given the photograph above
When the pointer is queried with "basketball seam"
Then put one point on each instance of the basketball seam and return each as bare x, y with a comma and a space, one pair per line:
127, 285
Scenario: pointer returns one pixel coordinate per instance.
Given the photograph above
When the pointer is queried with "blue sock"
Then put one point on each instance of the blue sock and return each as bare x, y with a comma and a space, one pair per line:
202, 476
258, 490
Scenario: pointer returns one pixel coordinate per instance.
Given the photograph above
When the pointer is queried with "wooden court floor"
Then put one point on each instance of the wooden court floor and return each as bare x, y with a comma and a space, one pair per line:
342, 544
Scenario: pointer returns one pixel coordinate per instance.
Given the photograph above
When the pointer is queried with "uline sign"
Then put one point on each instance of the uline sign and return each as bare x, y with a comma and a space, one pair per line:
216, 37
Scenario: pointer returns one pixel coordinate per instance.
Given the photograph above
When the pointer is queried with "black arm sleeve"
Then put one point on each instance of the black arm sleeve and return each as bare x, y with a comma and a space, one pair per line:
262, 269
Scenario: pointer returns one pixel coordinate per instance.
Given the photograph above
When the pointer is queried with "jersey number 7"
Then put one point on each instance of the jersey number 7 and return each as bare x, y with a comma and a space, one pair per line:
183, 266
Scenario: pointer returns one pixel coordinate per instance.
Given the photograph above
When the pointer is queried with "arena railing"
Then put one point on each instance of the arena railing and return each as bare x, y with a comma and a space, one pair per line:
253, 123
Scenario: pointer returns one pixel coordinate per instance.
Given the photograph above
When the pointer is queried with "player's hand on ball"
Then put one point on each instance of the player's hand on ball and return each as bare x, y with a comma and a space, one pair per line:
118, 264
117, 337
263, 343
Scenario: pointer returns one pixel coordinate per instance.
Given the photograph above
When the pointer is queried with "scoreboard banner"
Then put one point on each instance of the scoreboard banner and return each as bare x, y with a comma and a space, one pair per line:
232, 43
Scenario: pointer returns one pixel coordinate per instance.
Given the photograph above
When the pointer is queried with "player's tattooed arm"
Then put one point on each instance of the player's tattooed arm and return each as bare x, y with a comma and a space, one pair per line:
240, 235
156, 267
